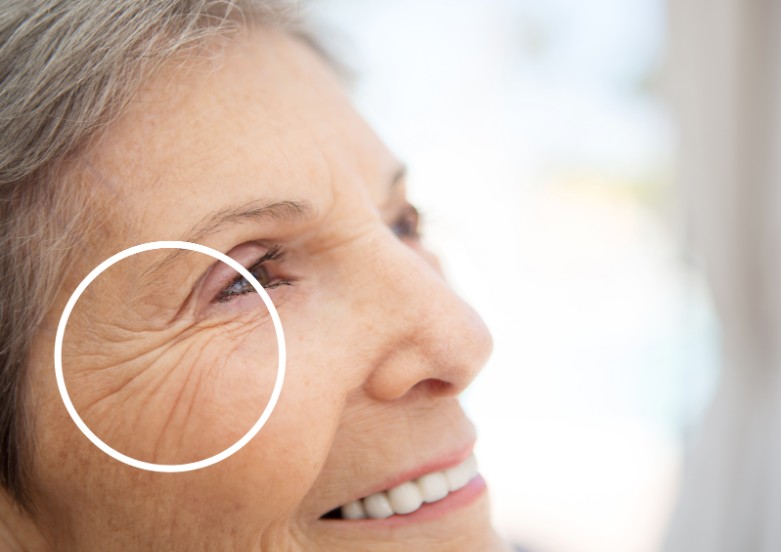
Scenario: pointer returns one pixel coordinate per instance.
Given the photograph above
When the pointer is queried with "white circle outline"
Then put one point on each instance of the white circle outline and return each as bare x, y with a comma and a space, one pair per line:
190, 466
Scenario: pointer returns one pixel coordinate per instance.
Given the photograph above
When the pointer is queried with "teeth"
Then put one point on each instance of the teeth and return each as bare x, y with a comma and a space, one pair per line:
410, 496
458, 476
433, 487
406, 498
353, 510
378, 506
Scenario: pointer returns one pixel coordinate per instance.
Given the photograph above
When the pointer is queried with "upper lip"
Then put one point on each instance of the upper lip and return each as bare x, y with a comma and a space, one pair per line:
439, 463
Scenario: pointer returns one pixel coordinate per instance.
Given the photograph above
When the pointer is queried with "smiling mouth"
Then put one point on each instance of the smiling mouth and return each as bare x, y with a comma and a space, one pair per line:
410, 495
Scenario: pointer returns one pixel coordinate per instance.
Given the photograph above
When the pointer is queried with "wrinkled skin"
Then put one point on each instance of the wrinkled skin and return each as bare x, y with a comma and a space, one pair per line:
379, 347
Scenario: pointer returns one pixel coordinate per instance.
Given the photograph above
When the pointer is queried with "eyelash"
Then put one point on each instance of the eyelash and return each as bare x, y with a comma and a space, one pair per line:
273, 254
406, 226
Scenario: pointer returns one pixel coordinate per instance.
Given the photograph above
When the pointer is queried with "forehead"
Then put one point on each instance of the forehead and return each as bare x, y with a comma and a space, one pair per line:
262, 119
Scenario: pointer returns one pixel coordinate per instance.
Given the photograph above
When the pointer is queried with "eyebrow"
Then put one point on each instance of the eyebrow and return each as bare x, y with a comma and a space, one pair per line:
398, 176
255, 210
252, 211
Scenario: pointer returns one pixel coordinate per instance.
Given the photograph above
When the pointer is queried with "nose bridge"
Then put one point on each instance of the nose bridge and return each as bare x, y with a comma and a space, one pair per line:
426, 331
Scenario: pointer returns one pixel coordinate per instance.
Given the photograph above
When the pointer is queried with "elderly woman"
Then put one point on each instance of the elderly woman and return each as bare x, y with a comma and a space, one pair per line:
220, 124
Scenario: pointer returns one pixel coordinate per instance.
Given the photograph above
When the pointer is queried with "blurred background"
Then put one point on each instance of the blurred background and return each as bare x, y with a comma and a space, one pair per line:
544, 154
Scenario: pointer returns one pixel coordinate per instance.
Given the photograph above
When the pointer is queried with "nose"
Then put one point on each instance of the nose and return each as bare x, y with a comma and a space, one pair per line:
424, 335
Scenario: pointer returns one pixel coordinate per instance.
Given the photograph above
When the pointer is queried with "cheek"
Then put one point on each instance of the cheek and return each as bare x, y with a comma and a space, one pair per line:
188, 398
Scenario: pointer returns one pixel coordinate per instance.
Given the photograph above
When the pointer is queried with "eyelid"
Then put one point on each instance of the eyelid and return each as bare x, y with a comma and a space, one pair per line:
220, 275
273, 254
408, 216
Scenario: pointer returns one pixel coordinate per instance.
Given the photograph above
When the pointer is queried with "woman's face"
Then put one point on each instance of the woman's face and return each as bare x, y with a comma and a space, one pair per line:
171, 358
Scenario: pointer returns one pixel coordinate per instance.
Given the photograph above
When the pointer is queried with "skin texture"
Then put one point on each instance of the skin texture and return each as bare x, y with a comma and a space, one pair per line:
378, 345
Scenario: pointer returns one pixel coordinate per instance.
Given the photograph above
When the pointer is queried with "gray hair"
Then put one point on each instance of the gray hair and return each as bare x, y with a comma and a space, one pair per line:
67, 68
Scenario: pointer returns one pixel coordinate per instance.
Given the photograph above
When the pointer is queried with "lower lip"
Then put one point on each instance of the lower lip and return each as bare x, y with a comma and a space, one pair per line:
428, 511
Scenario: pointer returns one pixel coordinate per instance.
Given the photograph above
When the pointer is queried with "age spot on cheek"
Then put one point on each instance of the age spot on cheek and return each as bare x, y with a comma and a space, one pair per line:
190, 465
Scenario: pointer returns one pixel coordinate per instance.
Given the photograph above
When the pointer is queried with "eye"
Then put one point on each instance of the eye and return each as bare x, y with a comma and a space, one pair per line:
407, 225
259, 269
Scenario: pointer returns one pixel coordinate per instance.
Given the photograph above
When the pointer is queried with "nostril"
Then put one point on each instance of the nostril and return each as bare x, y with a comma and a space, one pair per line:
436, 387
